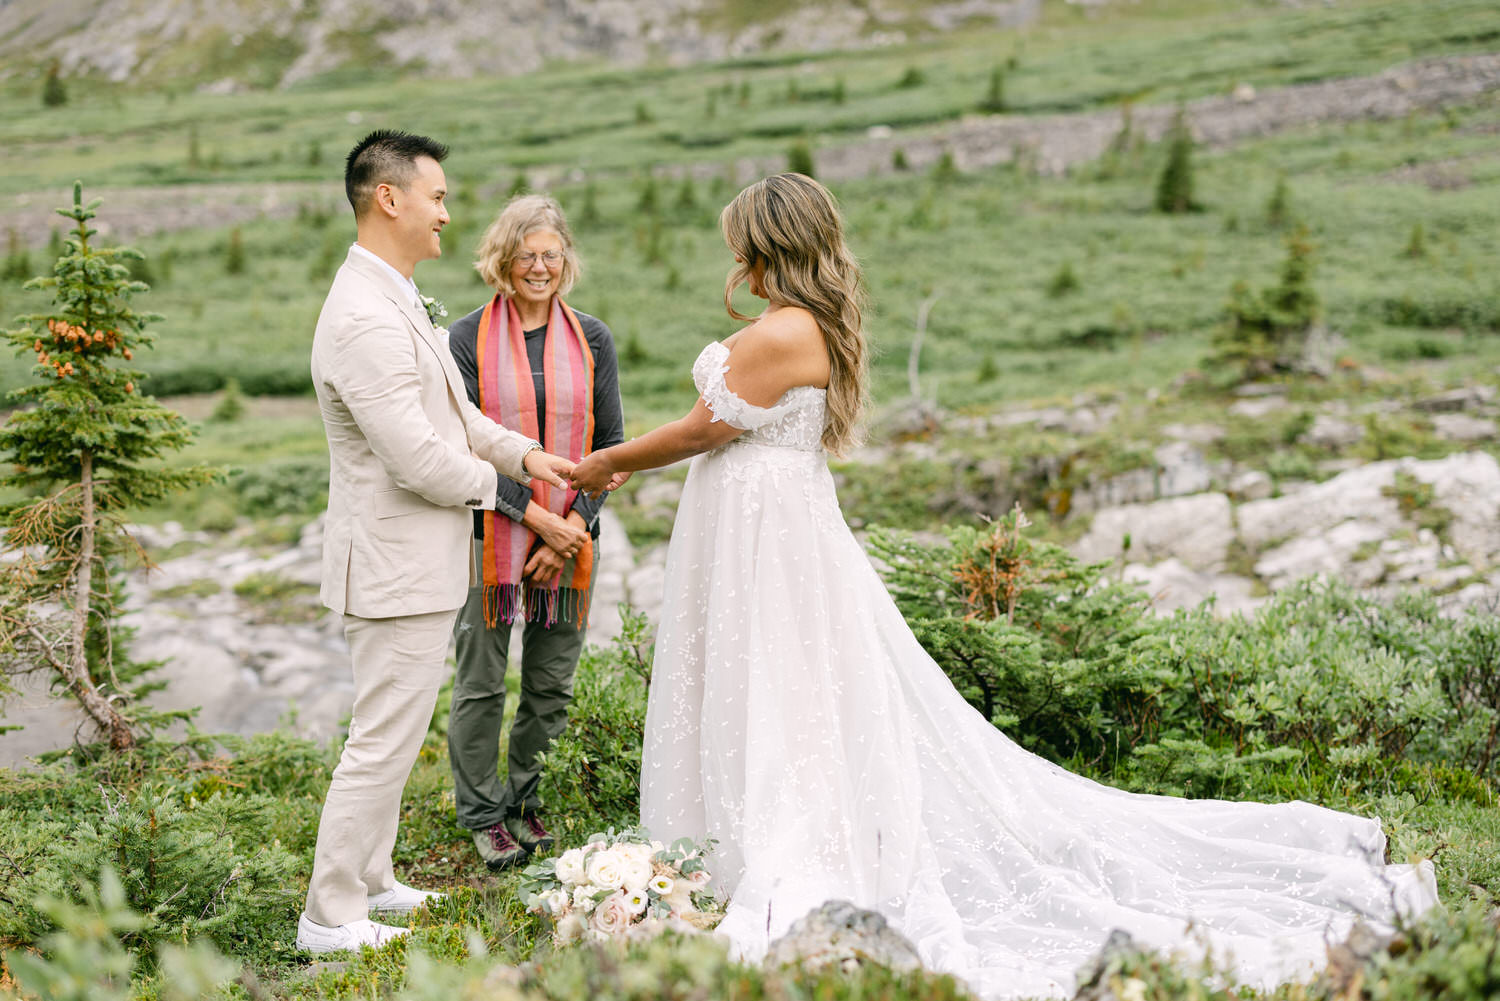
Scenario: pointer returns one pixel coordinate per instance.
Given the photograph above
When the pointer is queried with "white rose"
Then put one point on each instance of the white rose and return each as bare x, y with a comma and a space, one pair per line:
569, 867
570, 928
604, 869
556, 902
662, 885
583, 898
636, 850
612, 916
635, 873
636, 900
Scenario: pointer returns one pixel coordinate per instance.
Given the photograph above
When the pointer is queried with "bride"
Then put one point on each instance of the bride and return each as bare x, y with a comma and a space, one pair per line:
794, 717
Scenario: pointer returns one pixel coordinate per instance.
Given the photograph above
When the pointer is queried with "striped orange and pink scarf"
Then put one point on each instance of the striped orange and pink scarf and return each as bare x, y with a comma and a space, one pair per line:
507, 395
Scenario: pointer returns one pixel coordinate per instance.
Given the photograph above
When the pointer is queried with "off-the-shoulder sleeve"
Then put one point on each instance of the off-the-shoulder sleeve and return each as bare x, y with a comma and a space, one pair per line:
727, 407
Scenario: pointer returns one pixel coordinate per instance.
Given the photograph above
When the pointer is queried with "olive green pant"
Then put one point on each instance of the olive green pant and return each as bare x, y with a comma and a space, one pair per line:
549, 657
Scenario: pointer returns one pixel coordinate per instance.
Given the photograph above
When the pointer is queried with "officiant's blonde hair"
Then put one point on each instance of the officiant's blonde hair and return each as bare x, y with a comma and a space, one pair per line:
792, 224
502, 242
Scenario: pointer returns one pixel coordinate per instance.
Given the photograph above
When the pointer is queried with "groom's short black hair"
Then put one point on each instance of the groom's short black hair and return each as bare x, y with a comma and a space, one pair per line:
385, 156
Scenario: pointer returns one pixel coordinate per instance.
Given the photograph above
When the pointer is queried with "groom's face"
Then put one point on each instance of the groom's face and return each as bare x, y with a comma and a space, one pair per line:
422, 211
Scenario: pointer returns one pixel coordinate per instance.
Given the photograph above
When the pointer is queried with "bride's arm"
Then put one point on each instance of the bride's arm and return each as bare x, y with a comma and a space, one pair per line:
681, 439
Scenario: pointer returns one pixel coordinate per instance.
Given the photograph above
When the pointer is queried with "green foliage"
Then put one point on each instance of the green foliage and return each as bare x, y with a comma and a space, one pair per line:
234, 253
175, 854
898, 159
1445, 955
1338, 692
84, 960
1416, 243
994, 97
83, 447
799, 159
591, 774
17, 266
231, 405
1279, 205
54, 93
281, 486
1174, 186
945, 169
911, 77
1063, 282
1266, 331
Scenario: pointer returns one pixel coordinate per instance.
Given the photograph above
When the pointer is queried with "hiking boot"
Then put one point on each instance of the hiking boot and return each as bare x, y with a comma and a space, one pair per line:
527, 829
498, 848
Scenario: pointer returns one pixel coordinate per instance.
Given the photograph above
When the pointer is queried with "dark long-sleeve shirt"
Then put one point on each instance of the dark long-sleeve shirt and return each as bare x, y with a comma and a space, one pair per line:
609, 419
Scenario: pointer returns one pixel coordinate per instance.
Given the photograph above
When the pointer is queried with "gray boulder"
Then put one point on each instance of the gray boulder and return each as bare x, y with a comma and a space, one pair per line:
842, 935
1196, 530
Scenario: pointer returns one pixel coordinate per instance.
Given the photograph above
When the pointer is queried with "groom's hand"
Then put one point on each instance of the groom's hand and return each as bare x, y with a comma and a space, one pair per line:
548, 468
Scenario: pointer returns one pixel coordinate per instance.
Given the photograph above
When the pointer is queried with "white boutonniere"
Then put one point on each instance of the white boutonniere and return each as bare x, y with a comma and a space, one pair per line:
435, 309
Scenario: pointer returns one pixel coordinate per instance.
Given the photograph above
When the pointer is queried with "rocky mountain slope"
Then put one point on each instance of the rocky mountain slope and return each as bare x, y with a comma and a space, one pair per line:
232, 43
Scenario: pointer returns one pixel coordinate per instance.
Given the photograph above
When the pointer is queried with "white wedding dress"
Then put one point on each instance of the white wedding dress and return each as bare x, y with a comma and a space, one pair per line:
794, 717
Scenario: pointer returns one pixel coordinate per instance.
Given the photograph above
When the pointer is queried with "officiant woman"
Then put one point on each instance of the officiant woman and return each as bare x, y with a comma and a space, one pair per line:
538, 366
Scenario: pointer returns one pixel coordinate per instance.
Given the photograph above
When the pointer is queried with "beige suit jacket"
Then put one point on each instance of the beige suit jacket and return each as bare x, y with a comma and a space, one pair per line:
410, 456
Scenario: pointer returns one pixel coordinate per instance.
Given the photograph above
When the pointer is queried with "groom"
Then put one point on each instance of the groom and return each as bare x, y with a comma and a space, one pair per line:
410, 458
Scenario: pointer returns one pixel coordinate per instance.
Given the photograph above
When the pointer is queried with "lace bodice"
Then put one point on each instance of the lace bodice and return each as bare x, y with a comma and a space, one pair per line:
794, 421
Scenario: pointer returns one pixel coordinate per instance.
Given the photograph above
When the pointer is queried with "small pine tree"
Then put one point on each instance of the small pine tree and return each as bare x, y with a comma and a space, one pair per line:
519, 185
799, 159
744, 95
17, 259
994, 98
234, 253
1267, 331
314, 153
647, 204
674, 279
1174, 189
840, 93
80, 447
231, 405
1279, 205
898, 159
1416, 244
1063, 282
634, 352
642, 114
54, 93
988, 371
687, 196
793, 95
946, 169
911, 77
588, 214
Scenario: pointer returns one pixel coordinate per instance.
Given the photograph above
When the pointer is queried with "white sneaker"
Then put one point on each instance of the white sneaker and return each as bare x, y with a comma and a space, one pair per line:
313, 937
401, 899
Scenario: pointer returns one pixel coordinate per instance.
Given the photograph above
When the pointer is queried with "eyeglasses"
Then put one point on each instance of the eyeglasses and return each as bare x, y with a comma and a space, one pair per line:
551, 258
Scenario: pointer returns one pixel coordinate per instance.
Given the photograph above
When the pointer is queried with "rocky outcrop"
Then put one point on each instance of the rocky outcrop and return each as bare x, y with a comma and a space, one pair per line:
844, 936
461, 37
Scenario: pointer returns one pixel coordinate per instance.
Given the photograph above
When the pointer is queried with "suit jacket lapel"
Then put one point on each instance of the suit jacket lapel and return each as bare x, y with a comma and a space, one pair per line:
400, 297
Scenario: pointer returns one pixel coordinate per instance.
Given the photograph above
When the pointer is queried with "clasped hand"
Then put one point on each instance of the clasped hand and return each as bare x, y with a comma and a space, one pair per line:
595, 476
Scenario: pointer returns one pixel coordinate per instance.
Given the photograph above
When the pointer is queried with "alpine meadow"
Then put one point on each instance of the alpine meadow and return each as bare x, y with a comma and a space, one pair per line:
1182, 455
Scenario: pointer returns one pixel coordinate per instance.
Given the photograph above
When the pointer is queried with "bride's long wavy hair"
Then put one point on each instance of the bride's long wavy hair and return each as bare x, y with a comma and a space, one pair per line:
792, 224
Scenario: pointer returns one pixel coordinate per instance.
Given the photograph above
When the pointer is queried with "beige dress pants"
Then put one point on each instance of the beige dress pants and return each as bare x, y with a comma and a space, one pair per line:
399, 665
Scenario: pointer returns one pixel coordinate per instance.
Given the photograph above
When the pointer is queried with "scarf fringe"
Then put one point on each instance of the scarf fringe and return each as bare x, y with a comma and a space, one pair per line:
505, 603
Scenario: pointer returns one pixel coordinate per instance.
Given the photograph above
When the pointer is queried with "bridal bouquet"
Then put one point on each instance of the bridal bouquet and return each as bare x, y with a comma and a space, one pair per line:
622, 884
